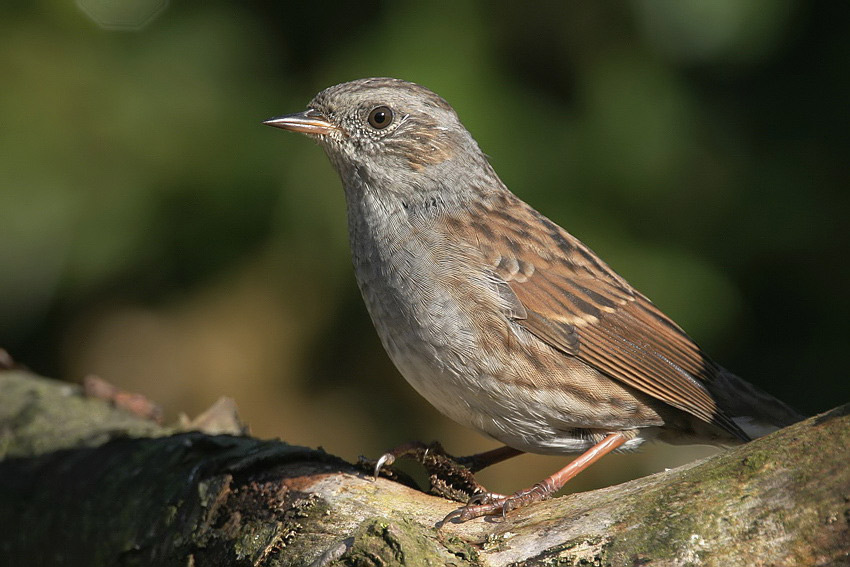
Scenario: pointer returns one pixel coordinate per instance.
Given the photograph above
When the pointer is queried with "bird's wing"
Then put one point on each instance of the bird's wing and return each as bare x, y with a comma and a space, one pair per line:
578, 305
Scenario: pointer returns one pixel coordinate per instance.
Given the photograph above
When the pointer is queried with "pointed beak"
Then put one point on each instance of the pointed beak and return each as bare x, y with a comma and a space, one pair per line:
308, 122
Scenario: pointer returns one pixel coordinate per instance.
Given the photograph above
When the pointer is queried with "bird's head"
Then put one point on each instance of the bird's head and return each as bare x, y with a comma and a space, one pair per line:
386, 130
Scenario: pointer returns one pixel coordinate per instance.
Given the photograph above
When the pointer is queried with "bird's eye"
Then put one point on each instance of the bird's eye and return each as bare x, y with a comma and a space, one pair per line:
380, 117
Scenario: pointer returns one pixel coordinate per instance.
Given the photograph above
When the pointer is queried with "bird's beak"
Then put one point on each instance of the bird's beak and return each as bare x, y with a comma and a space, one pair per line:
308, 122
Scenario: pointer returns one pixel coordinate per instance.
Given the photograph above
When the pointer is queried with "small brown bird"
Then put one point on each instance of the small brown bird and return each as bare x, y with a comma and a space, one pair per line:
499, 317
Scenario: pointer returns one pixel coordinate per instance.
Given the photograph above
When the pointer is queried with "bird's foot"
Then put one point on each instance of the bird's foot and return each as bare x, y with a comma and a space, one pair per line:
490, 504
449, 477
416, 450
540, 491
413, 449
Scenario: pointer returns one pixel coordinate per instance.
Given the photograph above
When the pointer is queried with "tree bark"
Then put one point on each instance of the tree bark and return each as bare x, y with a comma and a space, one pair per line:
86, 483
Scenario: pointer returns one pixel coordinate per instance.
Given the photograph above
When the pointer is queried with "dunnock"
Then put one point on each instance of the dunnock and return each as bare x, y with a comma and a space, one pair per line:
496, 315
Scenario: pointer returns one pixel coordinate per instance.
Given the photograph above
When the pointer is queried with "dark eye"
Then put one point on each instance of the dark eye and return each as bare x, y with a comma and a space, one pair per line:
380, 117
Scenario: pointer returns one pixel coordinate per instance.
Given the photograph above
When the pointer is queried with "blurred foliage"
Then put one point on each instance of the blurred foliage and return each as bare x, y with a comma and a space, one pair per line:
153, 232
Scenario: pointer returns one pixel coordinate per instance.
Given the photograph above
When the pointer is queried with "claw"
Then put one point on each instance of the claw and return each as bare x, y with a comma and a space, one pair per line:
452, 516
387, 459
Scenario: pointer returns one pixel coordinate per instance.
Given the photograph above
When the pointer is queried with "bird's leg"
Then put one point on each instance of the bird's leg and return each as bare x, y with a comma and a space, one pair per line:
540, 491
483, 460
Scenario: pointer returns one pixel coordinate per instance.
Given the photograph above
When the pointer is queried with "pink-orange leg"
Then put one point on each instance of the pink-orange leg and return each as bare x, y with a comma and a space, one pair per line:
503, 504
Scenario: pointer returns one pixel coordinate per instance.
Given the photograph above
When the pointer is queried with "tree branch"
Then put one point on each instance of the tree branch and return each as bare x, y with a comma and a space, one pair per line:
86, 483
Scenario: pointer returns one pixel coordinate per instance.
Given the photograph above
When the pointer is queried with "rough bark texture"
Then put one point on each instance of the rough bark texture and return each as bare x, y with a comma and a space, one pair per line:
84, 483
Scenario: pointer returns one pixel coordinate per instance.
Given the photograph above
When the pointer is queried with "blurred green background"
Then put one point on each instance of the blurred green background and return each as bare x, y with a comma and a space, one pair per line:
154, 233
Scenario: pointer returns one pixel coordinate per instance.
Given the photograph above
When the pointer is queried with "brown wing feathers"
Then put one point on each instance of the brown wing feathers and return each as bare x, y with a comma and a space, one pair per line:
578, 305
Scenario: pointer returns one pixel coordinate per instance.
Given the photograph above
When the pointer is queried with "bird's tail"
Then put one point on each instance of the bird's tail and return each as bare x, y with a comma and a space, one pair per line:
751, 408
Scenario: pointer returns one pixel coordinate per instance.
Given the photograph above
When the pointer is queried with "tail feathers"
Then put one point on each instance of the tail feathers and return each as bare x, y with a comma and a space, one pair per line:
752, 409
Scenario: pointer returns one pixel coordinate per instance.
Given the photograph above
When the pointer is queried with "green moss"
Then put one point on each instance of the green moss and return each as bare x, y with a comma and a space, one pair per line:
461, 549
666, 529
34, 405
256, 538
672, 524
494, 542
385, 543
755, 461
582, 552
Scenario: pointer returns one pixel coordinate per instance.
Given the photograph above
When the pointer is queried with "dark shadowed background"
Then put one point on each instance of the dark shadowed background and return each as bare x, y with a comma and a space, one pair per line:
154, 233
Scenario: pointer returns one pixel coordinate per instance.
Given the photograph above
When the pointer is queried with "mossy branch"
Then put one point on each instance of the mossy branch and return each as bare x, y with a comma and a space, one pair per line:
85, 483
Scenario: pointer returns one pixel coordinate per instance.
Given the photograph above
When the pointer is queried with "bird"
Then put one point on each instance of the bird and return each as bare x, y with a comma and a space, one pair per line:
496, 315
